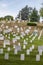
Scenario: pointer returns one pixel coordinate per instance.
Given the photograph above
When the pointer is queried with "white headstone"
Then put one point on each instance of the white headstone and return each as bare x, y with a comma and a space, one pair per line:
13, 46
6, 57
25, 42
1, 51
28, 52
31, 41
8, 49
29, 27
37, 57
15, 51
6, 27
4, 46
19, 44
7, 42
30, 49
40, 52
16, 26
24, 46
32, 46
1, 37
14, 40
18, 47
22, 57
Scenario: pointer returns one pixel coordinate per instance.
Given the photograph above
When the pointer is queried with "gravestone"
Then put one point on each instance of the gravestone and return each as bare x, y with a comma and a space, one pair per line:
40, 48
29, 28
30, 49
17, 29
7, 42
6, 27
31, 41
27, 31
18, 44
8, 49
40, 52
32, 46
28, 52
1, 51
4, 45
6, 56
14, 40
21, 29
18, 47
1, 37
17, 37
13, 46
15, 51
25, 42
22, 57
16, 26
37, 57
22, 36
24, 46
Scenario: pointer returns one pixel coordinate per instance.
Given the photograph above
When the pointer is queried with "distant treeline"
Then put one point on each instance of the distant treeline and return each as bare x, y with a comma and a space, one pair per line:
26, 13
7, 18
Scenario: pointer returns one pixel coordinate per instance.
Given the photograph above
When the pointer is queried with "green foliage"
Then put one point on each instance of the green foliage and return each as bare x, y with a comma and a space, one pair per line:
41, 12
8, 17
32, 24
1, 18
25, 13
34, 16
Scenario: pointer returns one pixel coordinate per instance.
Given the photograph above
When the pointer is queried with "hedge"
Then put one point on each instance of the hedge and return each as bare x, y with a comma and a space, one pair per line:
32, 24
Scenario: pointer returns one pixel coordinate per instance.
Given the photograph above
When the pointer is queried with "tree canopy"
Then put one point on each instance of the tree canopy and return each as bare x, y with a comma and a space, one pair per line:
41, 12
8, 18
29, 13
25, 13
34, 16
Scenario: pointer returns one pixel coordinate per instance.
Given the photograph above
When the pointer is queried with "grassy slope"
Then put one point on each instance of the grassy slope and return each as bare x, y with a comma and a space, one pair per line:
29, 60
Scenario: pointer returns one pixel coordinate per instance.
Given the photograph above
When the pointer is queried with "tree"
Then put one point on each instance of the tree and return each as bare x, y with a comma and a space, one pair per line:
8, 17
1, 18
41, 12
30, 11
34, 17
24, 13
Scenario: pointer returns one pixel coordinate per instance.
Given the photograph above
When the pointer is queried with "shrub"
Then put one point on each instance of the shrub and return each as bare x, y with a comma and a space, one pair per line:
32, 24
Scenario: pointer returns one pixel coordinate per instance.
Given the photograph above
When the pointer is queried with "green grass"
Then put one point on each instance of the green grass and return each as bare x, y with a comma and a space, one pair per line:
29, 59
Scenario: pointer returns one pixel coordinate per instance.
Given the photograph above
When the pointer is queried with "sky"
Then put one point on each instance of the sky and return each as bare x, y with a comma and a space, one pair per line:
12, 7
